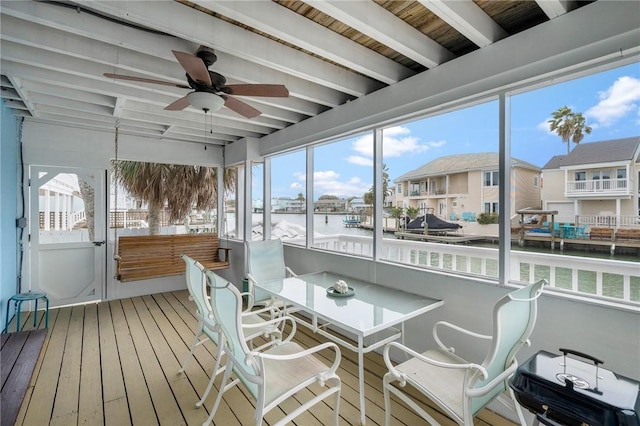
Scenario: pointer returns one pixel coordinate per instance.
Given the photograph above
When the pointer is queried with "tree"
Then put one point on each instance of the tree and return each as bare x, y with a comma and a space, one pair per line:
413, 212
386, 191
300, 197
569, 125
180, 188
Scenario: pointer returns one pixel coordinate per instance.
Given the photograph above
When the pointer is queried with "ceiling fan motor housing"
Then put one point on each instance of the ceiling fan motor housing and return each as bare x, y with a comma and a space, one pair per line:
206, 54
217, 83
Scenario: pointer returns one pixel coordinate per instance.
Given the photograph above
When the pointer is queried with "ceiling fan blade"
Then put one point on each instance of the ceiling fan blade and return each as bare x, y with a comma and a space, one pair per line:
193, 66
178, 105
145, 80
240, 107
271, 90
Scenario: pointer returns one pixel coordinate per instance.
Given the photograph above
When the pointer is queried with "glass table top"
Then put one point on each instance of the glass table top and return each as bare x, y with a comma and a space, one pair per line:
372, 307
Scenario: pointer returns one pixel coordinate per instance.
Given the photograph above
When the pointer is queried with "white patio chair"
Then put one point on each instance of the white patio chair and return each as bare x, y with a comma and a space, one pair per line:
275, 374
459, 387
197, 281
265, 263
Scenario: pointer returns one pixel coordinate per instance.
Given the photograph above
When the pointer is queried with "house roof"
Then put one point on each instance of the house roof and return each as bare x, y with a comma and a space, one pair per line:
616, 150
54, 55
461, 163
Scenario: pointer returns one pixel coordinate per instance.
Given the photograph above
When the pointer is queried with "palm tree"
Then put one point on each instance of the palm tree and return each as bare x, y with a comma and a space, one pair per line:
569, 125
180, 188
386, 191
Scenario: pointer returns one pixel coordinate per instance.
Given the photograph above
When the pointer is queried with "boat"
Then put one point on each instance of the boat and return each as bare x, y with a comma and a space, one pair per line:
352, 220
431, 223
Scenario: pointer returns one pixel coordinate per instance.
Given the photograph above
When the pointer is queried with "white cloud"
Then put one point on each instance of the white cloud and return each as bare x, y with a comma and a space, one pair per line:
544, 126
615, 102
295, 185
328, 182
397, 141
360, 160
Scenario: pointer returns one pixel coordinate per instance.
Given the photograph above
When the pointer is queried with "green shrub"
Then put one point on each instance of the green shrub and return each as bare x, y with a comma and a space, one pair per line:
487, 218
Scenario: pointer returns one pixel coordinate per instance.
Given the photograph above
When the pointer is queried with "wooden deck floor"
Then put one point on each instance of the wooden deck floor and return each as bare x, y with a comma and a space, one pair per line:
115, 363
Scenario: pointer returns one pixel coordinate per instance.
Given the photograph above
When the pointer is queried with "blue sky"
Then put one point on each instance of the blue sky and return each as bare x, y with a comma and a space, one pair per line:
610, 101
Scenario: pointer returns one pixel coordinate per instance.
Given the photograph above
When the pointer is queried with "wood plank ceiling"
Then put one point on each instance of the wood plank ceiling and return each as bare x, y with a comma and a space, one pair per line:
53, 55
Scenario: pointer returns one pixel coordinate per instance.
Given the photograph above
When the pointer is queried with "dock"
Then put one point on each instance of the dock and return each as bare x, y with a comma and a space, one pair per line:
447, 238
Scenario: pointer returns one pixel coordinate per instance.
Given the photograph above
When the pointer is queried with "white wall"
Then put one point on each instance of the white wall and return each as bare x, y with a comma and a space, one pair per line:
50, 145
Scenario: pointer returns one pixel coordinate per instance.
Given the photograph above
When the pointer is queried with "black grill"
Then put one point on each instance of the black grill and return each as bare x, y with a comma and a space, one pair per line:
561, 390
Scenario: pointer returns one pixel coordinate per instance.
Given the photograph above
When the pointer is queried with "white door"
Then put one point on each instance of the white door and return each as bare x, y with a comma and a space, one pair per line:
67, 234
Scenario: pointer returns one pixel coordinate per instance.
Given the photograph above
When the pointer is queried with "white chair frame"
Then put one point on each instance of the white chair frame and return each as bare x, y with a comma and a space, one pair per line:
277, 363
478, 384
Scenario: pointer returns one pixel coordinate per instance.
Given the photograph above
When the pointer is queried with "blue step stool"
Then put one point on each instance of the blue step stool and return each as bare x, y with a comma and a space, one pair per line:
17, 299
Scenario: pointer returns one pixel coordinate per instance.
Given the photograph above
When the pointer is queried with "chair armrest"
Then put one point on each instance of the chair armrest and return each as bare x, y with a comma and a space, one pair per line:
272, 310
275, 323
492, 384
401, 377
457, 328
290, 272
250, 283
302, 354
250, 300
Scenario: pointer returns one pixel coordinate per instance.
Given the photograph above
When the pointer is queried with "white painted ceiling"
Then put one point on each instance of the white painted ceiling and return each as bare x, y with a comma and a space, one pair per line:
53, 56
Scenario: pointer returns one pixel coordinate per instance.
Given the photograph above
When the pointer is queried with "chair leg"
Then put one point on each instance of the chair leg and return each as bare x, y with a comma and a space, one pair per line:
196, 341
6, 317
214, 374
35, 313
18, 309
225, 379
518, 408
387, 400
336, 406
46, 313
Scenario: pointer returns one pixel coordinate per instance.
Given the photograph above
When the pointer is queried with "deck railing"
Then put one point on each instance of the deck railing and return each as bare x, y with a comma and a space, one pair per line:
604, 278
598, 187
630, 221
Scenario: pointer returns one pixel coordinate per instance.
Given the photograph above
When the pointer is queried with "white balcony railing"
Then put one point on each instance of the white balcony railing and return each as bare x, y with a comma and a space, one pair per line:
604, 278
599, 187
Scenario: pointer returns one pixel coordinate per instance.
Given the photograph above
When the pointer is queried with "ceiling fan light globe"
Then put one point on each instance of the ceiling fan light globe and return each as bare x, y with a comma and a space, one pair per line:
205, 101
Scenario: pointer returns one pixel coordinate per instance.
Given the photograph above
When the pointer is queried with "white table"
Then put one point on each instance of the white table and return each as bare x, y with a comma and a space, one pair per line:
373, 313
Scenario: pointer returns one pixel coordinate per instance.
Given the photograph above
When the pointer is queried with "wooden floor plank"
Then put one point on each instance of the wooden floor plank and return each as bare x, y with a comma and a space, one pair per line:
42, 399
114, 396
141, 408
19, 355
167, 410
90, 405
116, 363
53, 315
160, 333
65, 409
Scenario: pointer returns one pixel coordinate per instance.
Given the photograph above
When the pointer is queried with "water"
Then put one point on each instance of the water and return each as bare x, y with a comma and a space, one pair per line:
323, 224
294, 226
332, 224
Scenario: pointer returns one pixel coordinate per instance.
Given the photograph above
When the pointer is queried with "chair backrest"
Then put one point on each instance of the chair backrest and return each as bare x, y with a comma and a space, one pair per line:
196, 282
226, 306
514, 317
265, 262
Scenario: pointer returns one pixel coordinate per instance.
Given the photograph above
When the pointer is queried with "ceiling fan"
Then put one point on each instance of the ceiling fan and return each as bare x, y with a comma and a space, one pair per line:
210, 91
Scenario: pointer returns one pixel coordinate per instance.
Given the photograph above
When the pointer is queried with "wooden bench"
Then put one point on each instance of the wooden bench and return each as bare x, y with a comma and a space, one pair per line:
627, 234
601, 234
153, 256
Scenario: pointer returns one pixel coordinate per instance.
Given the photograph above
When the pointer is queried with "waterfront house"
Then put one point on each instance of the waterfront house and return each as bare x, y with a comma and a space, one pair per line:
454, 185
352, 70
596, 182
330, 204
